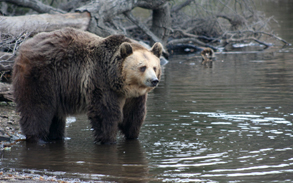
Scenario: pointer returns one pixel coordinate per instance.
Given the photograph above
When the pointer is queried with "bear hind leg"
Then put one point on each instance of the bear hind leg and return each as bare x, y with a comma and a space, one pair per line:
35, 126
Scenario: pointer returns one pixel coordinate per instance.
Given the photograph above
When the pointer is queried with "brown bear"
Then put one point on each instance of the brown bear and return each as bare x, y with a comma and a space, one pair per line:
70, 71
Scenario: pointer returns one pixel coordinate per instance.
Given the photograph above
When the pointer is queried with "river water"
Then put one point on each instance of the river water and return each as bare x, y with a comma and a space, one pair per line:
228, 123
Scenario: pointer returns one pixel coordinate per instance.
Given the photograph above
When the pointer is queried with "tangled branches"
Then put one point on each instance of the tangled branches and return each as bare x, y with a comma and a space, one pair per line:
9, 45
223, 24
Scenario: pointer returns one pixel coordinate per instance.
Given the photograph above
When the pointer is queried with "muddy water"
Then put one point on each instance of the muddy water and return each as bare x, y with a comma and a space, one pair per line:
231, 122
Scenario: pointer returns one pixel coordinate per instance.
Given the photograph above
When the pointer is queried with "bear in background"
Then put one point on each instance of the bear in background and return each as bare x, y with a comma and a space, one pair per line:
70, 71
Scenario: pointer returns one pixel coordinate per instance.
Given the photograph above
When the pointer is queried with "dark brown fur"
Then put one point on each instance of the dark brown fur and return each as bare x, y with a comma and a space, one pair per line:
70, 71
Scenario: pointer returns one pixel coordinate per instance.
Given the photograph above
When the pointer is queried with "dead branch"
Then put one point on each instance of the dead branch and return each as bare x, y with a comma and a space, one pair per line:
36, 5
235, 20
186, 34
130, 16
247, 39
248, 35
72, 5
269, 34
9, 43
190, 40
7, 57
7, 67
175, 9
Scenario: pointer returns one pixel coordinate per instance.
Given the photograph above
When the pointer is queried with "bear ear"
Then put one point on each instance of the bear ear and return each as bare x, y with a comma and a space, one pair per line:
125, 50
157, 49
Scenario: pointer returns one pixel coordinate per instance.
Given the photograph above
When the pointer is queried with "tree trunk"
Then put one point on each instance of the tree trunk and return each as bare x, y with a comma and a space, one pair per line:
162, 22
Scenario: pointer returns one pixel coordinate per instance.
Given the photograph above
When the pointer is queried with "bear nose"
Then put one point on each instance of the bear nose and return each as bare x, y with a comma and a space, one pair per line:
154, 82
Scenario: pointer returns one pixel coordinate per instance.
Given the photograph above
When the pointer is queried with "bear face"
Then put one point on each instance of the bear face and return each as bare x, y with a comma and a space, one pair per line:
141, 69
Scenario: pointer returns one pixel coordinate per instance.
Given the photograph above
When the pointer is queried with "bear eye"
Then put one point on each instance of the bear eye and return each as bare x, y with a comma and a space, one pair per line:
142, 69
155, 69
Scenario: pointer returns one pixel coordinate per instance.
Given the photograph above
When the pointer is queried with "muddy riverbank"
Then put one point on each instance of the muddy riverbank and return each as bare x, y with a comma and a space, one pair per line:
9, 127
10, 134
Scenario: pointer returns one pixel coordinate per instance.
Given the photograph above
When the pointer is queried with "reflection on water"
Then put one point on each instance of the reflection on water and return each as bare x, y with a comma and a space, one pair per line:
231, 122
78, 158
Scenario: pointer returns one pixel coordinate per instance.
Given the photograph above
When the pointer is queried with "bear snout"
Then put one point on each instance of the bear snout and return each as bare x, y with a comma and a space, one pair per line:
154, 82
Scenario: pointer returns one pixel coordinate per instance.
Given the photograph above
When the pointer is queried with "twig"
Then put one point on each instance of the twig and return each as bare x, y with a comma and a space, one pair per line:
276, 37
260, 32
6, 67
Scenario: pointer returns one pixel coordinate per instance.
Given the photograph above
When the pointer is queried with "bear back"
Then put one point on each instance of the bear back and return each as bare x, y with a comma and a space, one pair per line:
72, 63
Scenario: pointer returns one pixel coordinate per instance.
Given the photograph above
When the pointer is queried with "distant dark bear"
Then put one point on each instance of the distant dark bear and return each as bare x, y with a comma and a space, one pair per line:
71, 71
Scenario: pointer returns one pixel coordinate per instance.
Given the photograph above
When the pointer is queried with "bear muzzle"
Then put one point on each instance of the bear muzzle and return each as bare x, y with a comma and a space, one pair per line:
154, 82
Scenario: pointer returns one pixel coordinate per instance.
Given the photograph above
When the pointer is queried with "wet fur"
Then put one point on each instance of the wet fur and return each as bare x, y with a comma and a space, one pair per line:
71, 71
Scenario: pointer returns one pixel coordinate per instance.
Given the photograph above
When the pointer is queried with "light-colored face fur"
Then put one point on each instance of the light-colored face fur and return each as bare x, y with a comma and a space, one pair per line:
141, 71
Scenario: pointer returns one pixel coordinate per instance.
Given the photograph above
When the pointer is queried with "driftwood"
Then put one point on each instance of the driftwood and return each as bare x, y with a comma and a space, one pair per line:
6, 92
17, 25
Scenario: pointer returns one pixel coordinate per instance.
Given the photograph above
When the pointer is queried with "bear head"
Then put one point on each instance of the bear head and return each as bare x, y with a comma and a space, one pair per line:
141, 68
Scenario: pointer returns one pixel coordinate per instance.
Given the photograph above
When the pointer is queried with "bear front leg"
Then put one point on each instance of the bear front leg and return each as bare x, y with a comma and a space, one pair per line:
104, 115
57, 128
134, 113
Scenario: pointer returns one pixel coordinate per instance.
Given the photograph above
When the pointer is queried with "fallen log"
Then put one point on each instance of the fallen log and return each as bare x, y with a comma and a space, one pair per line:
6, 92
42, 23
